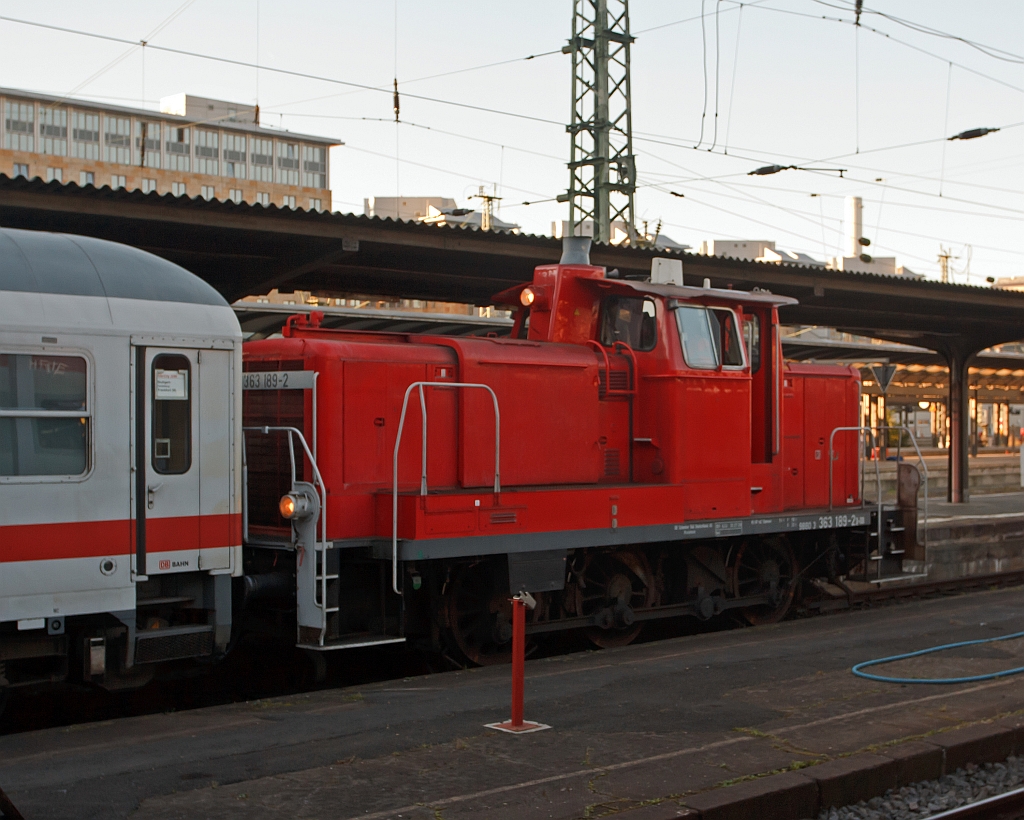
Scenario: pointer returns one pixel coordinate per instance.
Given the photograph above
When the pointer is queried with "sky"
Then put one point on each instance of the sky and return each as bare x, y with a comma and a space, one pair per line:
719, 88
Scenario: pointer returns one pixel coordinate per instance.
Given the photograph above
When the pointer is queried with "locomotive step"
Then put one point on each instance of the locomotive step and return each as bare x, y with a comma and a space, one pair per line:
354, 641
146, 603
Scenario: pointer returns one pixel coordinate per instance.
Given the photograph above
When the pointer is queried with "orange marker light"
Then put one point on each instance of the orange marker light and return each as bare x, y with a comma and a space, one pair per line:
287, 506
527, 297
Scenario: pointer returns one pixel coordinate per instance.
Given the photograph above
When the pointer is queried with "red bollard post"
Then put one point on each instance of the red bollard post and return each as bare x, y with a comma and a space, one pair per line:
516, 724
518, 660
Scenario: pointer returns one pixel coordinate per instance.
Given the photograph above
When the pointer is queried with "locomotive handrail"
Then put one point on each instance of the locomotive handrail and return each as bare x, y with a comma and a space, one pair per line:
423, 465
608, 390
878, 472
266, 430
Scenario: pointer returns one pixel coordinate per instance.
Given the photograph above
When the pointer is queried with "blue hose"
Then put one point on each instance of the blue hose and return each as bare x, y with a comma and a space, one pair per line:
971, 679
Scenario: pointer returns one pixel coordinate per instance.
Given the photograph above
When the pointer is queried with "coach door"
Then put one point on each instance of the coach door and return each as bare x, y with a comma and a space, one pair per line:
167, 486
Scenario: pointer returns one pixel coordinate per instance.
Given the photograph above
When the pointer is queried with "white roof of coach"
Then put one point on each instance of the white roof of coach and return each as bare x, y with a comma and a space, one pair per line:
106, 273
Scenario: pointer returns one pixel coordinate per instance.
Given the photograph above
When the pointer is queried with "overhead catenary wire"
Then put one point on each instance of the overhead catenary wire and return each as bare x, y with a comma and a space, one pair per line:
283, 71
732, 79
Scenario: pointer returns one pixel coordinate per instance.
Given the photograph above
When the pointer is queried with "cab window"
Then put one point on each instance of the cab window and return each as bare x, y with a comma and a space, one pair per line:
629, 319
752, 340
709, 337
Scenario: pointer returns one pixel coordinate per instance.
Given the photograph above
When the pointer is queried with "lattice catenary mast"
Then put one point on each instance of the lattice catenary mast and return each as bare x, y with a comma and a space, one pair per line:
602, 168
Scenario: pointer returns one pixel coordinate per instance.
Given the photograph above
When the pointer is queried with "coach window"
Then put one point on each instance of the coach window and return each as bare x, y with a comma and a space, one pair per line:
171, 446
628, 319
44, 415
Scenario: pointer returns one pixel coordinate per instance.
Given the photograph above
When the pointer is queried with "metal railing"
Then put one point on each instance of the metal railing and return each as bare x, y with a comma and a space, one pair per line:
423, 466
318, 481
882, 430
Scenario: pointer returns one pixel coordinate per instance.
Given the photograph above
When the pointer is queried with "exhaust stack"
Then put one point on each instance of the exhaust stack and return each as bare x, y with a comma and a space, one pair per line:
575, 250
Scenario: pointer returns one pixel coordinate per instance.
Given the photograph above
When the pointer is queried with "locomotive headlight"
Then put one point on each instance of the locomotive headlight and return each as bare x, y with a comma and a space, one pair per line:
293, 506
527, 297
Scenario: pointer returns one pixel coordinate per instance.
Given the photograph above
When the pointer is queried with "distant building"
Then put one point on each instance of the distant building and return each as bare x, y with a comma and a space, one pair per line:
408, 208
620, 234
856, 258
195, 147
432, 210
465, 218
751, 249
1009, 283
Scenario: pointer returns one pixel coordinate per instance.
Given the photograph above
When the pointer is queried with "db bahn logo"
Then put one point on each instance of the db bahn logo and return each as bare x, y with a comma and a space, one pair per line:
165, 565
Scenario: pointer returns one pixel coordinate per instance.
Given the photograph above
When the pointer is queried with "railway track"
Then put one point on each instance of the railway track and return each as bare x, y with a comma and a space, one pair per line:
903, 592
1007, 806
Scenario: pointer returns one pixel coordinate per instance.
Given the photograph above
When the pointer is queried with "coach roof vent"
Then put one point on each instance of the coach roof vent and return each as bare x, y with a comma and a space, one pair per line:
39, 262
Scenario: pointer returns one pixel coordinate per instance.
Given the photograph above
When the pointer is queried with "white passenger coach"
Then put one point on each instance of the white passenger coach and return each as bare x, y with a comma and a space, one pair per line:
120, 461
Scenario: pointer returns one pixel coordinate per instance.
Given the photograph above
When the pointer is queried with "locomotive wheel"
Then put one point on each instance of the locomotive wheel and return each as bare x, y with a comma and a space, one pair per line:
479, 613
765, 567
610, 588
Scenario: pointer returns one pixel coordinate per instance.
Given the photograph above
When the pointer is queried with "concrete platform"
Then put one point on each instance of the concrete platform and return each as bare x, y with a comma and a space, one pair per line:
983, 536
681, 727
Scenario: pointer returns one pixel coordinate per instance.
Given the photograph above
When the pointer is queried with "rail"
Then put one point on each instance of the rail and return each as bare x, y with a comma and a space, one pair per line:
423, 465
883, 429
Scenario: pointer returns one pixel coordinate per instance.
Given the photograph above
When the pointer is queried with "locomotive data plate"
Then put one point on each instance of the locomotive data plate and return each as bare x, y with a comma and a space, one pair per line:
278, 380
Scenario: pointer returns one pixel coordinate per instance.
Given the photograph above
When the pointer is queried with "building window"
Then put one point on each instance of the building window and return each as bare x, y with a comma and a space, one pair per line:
54, 174
19, 126
178, 188
206, 192
314, 167
234, 156
86, 178
85, 135
53, 131
288, 202
44, 429
20, 170
287, 163
261, 160
177, 149
207, 152
235, 194
117, 140
148, 186
147, 144
263, 198
315, 205
117, 181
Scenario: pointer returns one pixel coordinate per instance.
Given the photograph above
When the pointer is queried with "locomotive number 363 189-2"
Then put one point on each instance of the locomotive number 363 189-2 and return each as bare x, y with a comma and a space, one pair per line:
265, 381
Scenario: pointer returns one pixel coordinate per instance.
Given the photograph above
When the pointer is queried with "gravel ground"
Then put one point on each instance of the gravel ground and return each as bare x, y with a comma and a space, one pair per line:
933, 796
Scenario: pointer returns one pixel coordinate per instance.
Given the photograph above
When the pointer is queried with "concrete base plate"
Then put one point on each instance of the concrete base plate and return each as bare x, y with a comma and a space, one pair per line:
527, 727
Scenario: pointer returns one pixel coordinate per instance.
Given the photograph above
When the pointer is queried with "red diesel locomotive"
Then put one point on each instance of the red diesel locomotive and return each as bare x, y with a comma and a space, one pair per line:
633, 451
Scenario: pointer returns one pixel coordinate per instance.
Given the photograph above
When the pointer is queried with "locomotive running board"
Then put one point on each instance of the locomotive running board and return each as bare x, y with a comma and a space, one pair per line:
456, 546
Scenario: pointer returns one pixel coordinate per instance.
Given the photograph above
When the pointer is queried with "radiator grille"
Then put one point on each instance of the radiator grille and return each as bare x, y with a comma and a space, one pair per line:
151, 647
266, 456
612, 462
504, 517
619, 382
